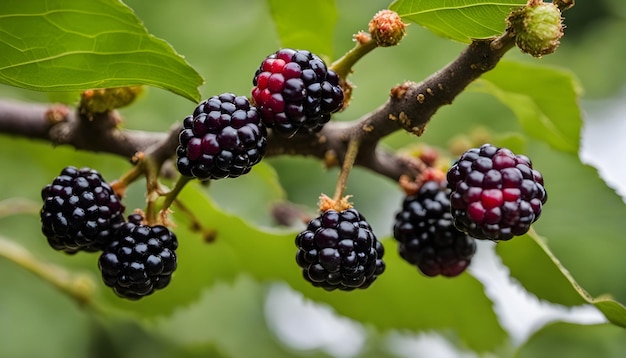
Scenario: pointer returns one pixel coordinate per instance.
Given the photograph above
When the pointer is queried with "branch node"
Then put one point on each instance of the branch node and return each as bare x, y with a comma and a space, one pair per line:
57, 113
400, 90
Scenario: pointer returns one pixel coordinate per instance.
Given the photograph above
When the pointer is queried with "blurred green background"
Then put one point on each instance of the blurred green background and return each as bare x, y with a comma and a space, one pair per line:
225, 41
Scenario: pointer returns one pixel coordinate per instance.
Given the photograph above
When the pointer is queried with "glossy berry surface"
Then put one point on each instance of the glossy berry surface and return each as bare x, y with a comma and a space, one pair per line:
223, 138
495, 194
426, 235
140, 260
80, 211
295, 90
338, 250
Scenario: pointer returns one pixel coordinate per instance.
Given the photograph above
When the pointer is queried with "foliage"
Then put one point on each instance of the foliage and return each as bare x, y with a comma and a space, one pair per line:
215, 301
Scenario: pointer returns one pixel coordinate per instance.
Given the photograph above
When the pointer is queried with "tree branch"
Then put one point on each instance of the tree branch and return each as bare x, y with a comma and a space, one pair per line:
63, 126
410, 107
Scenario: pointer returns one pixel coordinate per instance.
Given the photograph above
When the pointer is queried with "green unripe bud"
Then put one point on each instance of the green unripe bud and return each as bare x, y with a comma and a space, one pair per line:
537, 27
108, 99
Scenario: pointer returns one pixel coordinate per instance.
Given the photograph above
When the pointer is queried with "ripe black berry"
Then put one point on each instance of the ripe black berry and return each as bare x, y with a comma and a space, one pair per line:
495, 194
223, 138
338, 250
426, 235
140, 260
295, 90
80, 211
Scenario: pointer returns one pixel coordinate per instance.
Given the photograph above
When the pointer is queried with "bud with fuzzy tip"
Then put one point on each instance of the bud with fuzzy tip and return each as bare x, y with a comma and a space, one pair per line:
537, 28
107, 99
387, 28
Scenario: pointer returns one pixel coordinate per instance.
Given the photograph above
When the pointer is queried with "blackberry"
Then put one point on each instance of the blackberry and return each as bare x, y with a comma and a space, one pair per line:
80, 211
140, 260
495, 194
338, 250
295, 90
426, 235
223, 138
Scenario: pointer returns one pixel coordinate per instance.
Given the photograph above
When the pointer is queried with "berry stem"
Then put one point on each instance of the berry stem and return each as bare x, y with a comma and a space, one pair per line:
364, 44
119, 186
172, 194
153, 188
79, 287
348, 163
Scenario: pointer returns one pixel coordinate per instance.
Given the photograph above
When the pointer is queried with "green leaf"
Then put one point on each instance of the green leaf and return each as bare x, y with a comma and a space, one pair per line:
544, 99
583, 221
257, 209
404, 299
305, 25
555, 285
225, 316
123, 337
31, 308
74, 45
549, 279
460, 20
575, 341
583, 225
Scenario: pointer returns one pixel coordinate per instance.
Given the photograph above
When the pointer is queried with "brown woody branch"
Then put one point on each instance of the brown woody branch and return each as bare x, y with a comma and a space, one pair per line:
409, 107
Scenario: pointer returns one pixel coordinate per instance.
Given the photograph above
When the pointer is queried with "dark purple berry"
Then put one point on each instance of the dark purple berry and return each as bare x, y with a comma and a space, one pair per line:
426, 235
339, 250
495, 194
223, 138
294, 90
140, 260
80, 211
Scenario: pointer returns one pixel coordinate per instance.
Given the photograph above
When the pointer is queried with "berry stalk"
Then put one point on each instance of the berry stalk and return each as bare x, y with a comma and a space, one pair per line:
364, 45
172, 194
348, 163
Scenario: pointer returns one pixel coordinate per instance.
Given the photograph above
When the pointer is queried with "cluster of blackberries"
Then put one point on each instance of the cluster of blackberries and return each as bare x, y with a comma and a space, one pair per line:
81, 212
223, 138
226, 135
490, 193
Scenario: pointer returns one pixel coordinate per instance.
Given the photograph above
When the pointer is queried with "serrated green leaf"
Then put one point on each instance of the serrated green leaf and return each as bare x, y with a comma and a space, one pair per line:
405, 299
305, 25
583, 221
518, 254
544, 99
74, 45
460, 20
549, 279
583, 230
570, 340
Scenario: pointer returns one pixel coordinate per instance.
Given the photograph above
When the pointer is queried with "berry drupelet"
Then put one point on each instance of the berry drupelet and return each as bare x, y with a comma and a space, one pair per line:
495, 194
80, 211
295, 90
426, 235
223, 138
338, 250
140, 260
